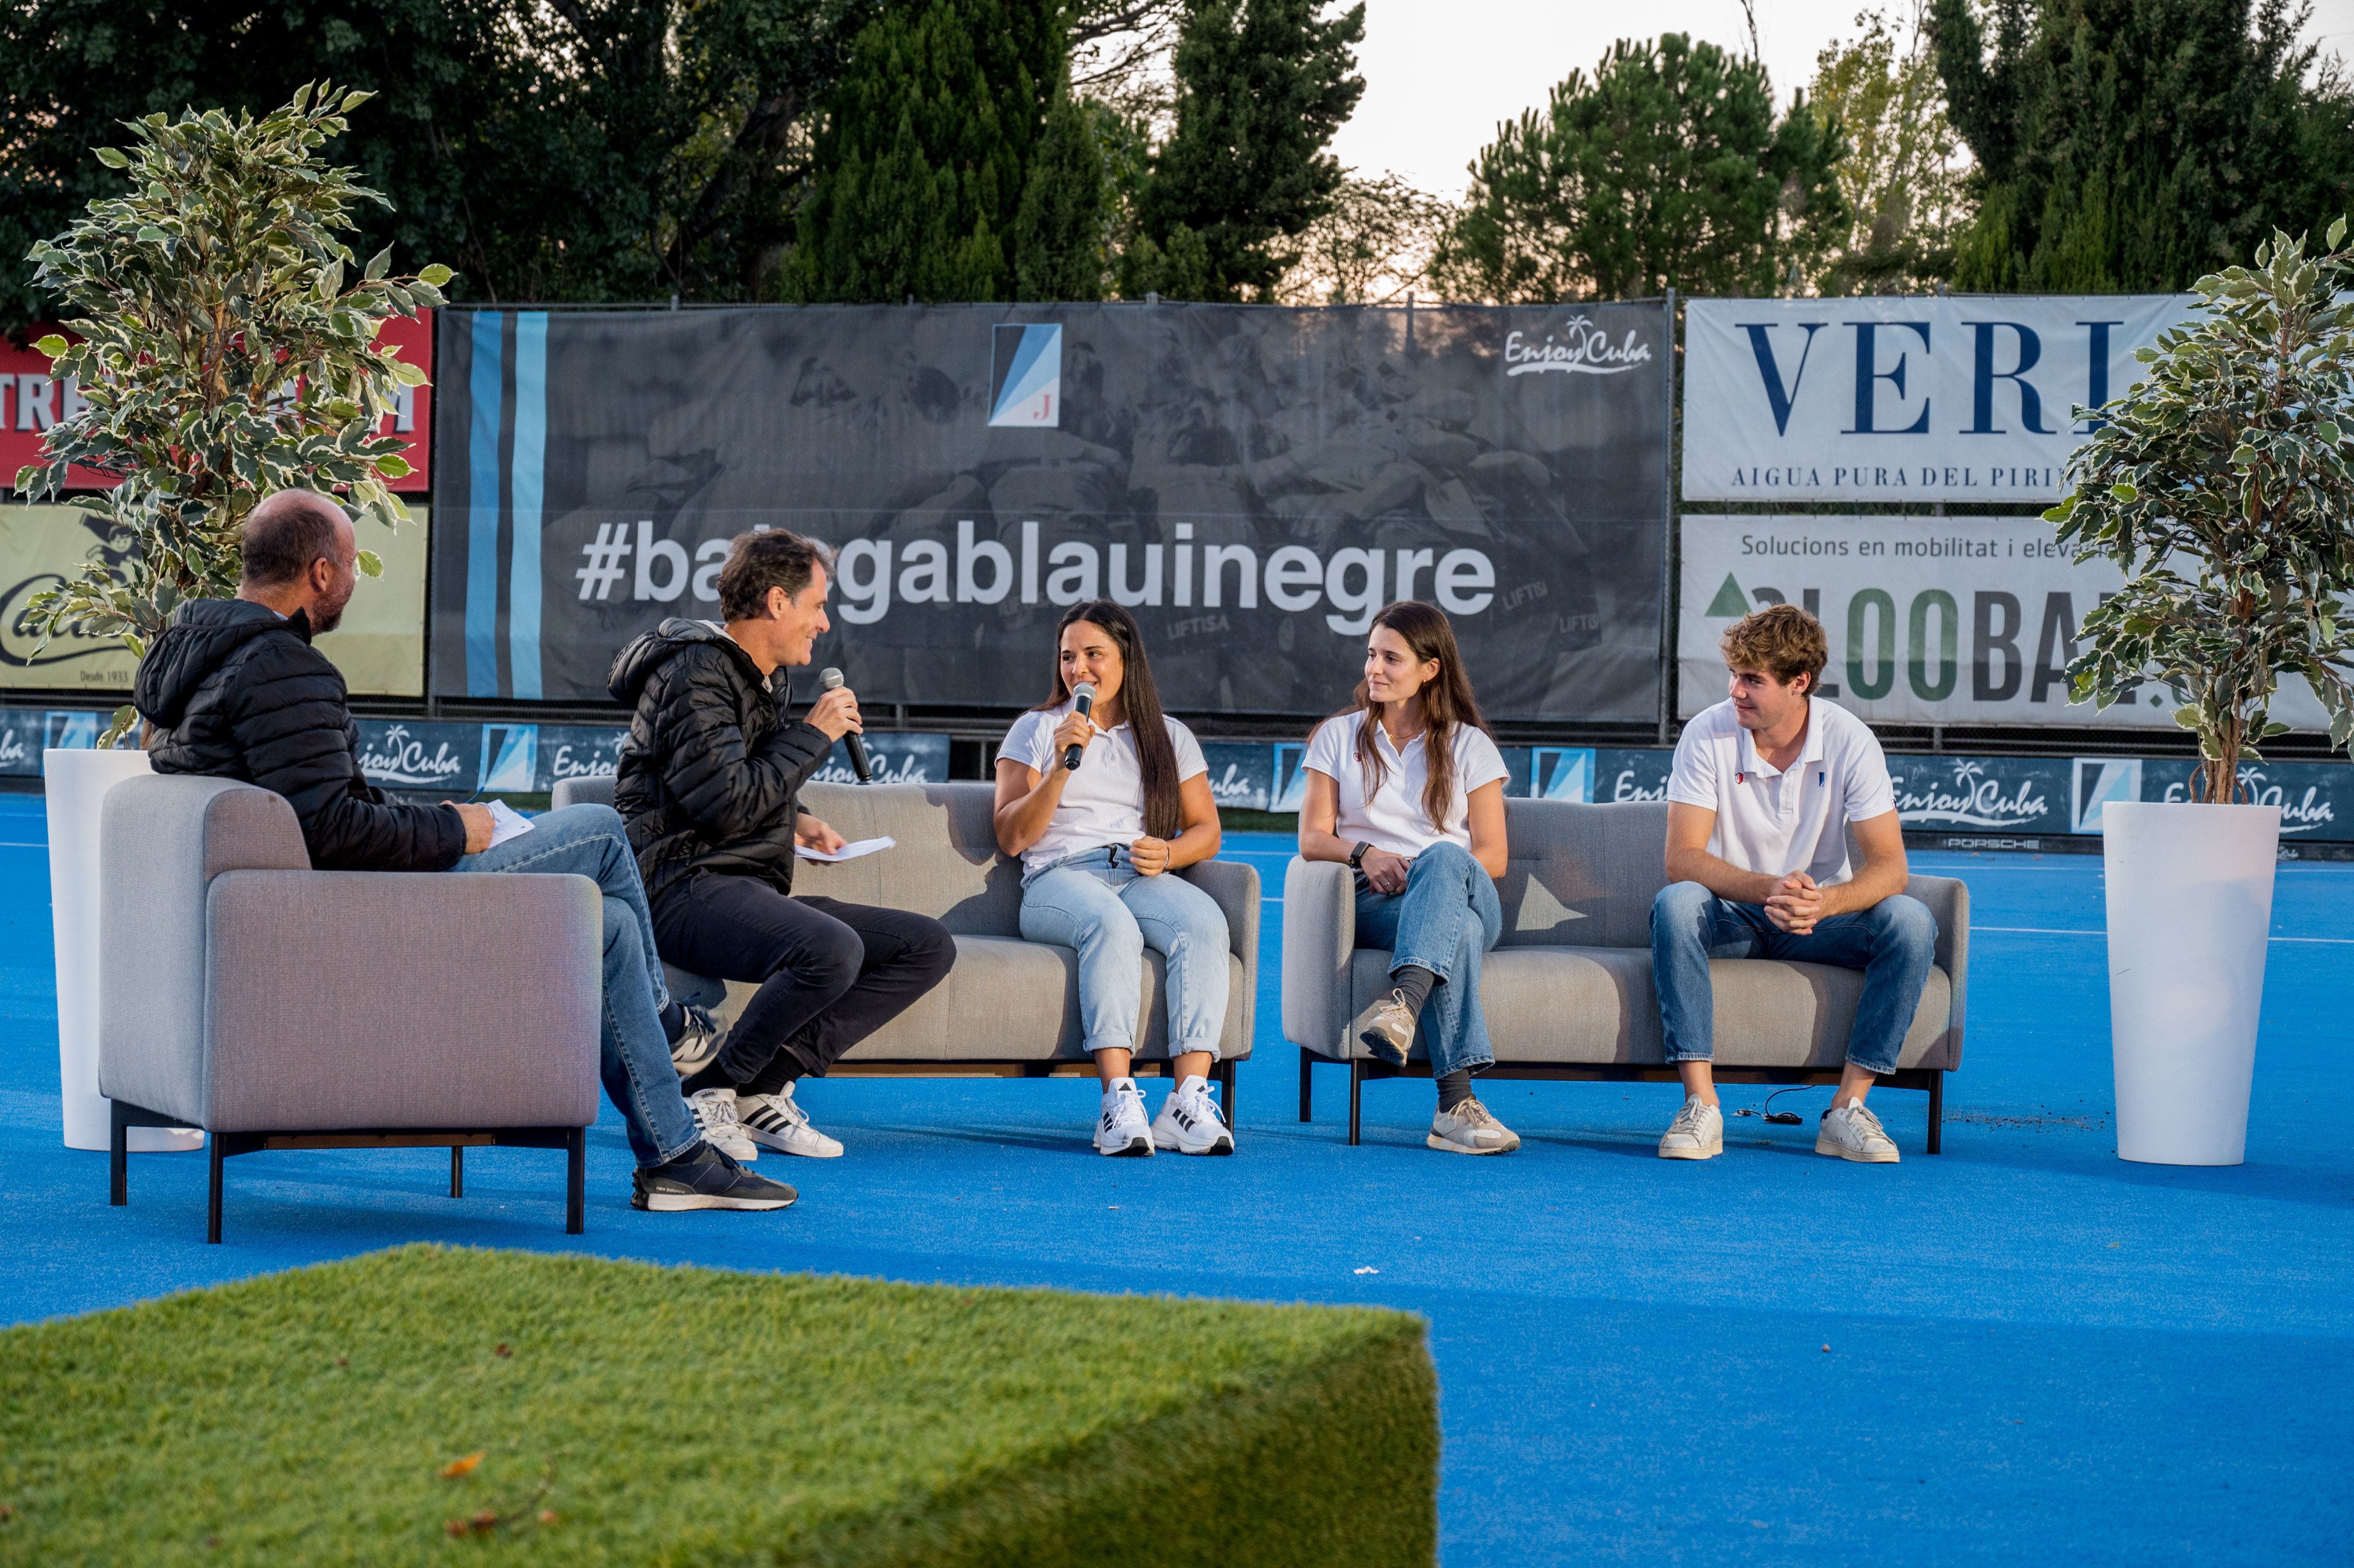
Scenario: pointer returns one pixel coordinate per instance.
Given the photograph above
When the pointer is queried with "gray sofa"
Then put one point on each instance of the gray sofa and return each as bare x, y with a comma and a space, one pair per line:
1009, 1008
278, 1007
1568, 989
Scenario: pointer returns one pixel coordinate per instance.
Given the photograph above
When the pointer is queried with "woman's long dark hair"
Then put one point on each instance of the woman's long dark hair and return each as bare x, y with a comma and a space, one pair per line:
1164, 814
1447, 700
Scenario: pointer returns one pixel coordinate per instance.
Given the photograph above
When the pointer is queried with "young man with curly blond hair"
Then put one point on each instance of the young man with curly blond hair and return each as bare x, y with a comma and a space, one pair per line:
1764, 788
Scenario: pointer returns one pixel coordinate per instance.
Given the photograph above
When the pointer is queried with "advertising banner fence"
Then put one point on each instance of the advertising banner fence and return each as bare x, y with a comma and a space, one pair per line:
379, 647
1254, 482
1966, 398
1931, 619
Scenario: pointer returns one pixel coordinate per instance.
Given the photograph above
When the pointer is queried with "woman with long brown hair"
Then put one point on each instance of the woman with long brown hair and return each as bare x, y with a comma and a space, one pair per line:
1406, 787
1101, 806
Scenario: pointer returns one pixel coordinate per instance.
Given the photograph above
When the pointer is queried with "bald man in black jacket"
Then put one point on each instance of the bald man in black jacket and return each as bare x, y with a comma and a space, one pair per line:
234, 689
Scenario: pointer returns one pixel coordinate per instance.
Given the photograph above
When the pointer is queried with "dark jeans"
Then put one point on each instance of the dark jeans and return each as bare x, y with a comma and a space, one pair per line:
830, 973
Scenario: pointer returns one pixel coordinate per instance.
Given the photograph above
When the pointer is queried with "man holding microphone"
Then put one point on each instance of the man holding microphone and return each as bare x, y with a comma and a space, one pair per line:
708, 783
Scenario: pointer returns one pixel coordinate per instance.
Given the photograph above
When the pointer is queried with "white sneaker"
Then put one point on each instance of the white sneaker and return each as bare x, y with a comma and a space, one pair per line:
1189, 1121
1468, 1128
778, 1121
715, 1117
697, 1044
1851, 1132
1121, 1128
1697, 1133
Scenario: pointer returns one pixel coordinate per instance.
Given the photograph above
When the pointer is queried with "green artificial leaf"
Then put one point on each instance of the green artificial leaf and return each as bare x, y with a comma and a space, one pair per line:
2336, 232
379, 264
2187, 718
371, 564
393, 467
2124, 492
2328, 432
111, 158
407, 374
138, 646
52, 345
437, 275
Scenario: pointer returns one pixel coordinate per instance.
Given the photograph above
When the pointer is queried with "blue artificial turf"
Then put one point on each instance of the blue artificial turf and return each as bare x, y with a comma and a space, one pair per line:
2023, 1350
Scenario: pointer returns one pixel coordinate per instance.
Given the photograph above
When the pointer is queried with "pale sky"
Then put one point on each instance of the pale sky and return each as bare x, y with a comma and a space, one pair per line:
1440, 74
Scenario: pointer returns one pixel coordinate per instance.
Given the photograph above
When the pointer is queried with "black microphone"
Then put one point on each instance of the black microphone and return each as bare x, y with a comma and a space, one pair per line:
1083, 700
830, 678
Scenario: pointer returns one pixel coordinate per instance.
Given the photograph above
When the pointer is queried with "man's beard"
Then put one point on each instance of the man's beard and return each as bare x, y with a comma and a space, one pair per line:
325, 618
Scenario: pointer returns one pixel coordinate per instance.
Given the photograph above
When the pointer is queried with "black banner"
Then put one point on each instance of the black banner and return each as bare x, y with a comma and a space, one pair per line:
1254, 482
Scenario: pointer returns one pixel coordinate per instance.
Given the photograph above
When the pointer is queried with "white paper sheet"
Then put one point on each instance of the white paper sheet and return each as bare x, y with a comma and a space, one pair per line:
506, 823
847, 851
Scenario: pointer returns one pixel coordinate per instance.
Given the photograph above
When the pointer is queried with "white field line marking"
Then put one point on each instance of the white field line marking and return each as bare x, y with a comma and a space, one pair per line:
2053, 931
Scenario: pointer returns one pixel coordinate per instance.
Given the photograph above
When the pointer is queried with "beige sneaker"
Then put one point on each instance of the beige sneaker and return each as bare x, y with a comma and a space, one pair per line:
1697, 1133
1851, 1132
1386, 1029
1469, 1129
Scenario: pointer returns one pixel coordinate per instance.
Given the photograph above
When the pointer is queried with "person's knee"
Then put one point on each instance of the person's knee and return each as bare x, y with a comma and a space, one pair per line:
1444, 858
931, 951
1905, 923
827, 961
1679, 907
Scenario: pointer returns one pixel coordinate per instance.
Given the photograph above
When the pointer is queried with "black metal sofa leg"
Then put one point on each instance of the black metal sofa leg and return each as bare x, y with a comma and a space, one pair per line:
1307, 1066
1936, 1112
1356, 1096
575, 1181
118, 1157
1226, 1071
213, 1195
457, 1171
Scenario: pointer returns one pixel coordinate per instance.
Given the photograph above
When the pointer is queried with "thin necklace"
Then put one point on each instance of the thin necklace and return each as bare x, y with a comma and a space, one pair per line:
1400, 740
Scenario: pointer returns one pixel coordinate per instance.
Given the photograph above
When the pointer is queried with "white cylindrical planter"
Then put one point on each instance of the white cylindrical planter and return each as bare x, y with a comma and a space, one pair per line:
74, 783
2190, 909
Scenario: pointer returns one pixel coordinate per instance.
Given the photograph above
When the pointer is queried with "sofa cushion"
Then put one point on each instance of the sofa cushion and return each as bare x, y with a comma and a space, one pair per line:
1596, 1005
1582, 873
944, 863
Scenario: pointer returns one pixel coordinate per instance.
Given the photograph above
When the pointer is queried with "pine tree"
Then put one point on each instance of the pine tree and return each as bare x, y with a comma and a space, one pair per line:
950, 111
1262, 85
2136, 145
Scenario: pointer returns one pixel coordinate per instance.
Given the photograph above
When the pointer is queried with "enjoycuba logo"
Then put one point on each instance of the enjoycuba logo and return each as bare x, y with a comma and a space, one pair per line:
1579, 346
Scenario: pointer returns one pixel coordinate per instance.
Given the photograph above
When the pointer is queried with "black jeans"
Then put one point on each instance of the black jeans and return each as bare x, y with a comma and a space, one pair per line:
830, 973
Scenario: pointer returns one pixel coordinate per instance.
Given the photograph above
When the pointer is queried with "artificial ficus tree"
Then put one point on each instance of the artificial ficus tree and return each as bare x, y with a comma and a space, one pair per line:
224, 353
2221, 484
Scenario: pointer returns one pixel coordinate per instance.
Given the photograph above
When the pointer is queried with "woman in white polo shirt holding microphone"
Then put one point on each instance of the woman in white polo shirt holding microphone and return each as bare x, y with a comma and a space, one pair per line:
1097, 842
1408, 788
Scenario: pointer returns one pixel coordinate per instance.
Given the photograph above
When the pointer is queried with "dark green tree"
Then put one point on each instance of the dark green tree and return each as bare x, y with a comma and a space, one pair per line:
2137, 144
952, 164
1262, 85
1666, 168
575, 150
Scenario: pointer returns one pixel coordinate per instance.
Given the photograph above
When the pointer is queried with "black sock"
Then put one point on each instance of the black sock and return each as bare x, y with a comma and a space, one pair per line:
673, 1021
711, 1077
1414, 982
1456, 1086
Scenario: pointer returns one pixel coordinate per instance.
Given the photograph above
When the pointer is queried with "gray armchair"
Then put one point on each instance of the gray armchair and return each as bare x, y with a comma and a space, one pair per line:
1567, 990
278, 1007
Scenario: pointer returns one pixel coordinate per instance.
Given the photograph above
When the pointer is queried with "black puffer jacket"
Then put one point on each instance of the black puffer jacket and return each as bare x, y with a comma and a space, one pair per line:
235, 690
708, 776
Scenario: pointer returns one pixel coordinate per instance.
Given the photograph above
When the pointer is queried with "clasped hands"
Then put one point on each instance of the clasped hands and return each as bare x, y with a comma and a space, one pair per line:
1794, 905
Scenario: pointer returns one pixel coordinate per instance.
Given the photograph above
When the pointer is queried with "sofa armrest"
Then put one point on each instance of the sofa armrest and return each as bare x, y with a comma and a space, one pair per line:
1235, 886
1320, 930
348, 999
1949, 899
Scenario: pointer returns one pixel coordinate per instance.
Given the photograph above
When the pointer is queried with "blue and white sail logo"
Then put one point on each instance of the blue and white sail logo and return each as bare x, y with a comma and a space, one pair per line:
1026, 376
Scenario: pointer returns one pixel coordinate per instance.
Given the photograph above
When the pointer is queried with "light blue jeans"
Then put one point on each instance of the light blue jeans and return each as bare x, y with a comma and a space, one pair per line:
1100, 903
1445, 922
1895, 942
589, 841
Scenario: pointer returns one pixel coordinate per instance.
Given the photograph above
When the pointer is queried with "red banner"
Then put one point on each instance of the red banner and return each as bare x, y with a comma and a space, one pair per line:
31, 400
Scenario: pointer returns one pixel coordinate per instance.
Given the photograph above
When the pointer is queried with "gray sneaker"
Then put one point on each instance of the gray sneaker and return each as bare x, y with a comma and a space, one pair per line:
1851, 1132
1697, 1133
697, 1044
1386, 1029
1469, 1129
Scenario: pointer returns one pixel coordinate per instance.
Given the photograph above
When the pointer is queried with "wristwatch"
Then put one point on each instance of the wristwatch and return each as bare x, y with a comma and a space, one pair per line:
1357, 856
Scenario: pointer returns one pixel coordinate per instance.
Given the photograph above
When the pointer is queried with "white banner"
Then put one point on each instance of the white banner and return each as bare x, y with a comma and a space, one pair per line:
1960, 398
1930, 619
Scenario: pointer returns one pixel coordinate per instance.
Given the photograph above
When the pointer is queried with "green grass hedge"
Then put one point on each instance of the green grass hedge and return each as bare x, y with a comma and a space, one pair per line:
628, 1413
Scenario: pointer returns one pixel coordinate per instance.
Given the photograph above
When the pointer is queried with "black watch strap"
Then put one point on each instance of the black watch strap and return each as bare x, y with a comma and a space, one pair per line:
1357, 856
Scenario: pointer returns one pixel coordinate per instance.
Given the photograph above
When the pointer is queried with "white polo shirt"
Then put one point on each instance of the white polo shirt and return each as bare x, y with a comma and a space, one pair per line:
1103, 802
1773, 821
1394, 819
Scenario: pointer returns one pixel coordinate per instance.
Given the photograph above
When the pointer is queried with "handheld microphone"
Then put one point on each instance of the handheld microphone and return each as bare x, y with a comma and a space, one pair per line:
1083, 700
830, 678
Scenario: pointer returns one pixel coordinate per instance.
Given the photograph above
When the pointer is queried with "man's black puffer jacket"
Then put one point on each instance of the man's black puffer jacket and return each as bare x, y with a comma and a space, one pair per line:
708, 776
235, 690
